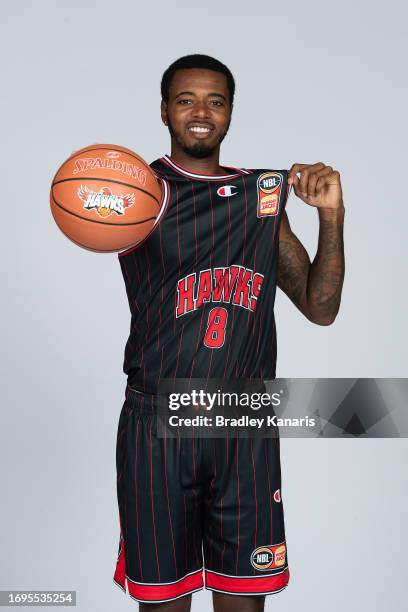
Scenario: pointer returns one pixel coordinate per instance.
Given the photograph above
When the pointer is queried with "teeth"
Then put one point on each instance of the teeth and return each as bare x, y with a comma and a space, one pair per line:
199, 129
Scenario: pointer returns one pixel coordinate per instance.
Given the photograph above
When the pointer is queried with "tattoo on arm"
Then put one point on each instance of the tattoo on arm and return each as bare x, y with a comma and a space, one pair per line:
327, 271
293, 270
315, 288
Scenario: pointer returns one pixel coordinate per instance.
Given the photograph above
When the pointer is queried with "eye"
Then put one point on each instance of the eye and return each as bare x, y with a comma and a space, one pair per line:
217, 103
183, 101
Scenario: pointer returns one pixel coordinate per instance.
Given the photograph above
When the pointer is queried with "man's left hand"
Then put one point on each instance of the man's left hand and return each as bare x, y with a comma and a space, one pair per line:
318, 185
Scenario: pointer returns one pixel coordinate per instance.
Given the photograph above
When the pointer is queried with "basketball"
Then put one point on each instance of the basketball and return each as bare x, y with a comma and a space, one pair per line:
105, 198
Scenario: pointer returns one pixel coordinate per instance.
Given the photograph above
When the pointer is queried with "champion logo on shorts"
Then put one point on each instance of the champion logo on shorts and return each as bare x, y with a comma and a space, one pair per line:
277, 496
269, 557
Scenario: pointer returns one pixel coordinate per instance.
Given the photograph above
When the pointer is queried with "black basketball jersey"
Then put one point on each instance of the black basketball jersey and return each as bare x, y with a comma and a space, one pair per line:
201, 287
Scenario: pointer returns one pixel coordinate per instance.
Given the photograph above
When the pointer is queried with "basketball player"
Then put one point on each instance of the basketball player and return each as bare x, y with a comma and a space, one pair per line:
198, 512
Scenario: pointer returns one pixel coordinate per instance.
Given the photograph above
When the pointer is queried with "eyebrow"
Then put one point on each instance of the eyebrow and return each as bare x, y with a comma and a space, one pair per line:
190, 93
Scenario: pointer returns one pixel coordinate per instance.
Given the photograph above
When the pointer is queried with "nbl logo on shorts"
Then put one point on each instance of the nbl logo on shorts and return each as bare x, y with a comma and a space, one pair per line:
262, 558
269, 557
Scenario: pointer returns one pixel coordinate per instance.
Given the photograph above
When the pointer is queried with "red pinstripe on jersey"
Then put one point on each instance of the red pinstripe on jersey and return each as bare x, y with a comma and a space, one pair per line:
255, 496
136, 501
245, 219
269, 492
168, 507
152, 503
195, 224
239, 508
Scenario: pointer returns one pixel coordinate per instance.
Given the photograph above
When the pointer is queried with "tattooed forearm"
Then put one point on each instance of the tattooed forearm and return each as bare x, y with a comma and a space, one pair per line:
293, 270
315, 288
326, 273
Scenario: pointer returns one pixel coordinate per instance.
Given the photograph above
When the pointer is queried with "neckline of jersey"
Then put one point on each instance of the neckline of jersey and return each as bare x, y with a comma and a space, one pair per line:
203, 177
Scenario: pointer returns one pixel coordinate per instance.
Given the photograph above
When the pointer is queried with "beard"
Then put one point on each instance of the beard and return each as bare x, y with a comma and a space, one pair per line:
199, 150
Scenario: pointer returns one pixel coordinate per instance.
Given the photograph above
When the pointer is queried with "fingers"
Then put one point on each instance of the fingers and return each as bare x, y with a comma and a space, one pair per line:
326, 179
313, 186
303, 170
294, 170
312, 178
308, 179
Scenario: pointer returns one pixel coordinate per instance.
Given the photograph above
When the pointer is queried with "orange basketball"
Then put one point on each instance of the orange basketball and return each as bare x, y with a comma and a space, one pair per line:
105, 198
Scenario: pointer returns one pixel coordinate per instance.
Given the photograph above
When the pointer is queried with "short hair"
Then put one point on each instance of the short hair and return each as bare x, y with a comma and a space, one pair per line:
196, 61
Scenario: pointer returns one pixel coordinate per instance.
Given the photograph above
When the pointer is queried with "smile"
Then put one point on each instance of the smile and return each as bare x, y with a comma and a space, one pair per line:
199, 130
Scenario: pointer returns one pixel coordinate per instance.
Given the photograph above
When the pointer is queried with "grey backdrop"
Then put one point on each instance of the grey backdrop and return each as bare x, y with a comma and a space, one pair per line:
316, 81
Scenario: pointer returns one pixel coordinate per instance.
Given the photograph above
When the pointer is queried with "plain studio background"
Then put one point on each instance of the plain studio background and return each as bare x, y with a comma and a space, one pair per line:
316, 81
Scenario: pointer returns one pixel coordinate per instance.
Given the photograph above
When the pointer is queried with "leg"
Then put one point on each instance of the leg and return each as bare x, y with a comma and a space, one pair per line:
226, 603
183, 604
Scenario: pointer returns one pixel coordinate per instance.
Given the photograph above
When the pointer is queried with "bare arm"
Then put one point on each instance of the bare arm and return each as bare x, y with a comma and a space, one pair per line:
315, 288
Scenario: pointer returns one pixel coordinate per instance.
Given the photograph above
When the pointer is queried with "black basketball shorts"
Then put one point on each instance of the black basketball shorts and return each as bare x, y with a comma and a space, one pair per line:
196, 512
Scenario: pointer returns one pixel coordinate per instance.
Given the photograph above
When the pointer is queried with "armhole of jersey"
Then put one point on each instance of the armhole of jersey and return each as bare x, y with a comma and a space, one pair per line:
288, 191
163, 206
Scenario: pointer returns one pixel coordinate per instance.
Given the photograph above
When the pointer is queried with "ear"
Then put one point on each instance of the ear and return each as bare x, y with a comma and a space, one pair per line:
163, 111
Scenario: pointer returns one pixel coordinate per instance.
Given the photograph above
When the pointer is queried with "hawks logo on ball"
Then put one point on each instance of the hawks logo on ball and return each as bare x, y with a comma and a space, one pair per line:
104, 202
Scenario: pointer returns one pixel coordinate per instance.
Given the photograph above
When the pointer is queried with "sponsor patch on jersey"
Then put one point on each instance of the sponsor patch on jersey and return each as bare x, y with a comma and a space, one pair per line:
227, 191
277, 496
269, 194
269, 557
104, 202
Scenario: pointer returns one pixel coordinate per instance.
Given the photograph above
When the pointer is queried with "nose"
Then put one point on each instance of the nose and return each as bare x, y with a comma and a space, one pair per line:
201, 109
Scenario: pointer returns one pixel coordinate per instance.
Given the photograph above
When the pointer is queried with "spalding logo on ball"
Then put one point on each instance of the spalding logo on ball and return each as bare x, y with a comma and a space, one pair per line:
106, 198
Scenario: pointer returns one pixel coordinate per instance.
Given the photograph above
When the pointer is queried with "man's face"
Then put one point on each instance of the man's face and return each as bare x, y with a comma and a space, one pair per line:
198, 112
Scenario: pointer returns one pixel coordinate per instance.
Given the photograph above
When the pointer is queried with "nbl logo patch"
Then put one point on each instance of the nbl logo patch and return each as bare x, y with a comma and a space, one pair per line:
269, 187
269, 557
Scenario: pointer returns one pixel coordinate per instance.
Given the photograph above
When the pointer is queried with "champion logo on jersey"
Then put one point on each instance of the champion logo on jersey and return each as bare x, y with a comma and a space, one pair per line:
227, 191
277, 496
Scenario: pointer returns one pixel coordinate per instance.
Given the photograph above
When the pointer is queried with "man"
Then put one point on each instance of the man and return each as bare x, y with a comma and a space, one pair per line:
201, 290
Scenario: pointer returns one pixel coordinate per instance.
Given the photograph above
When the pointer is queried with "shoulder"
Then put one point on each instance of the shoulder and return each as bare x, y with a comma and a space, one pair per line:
158, 166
